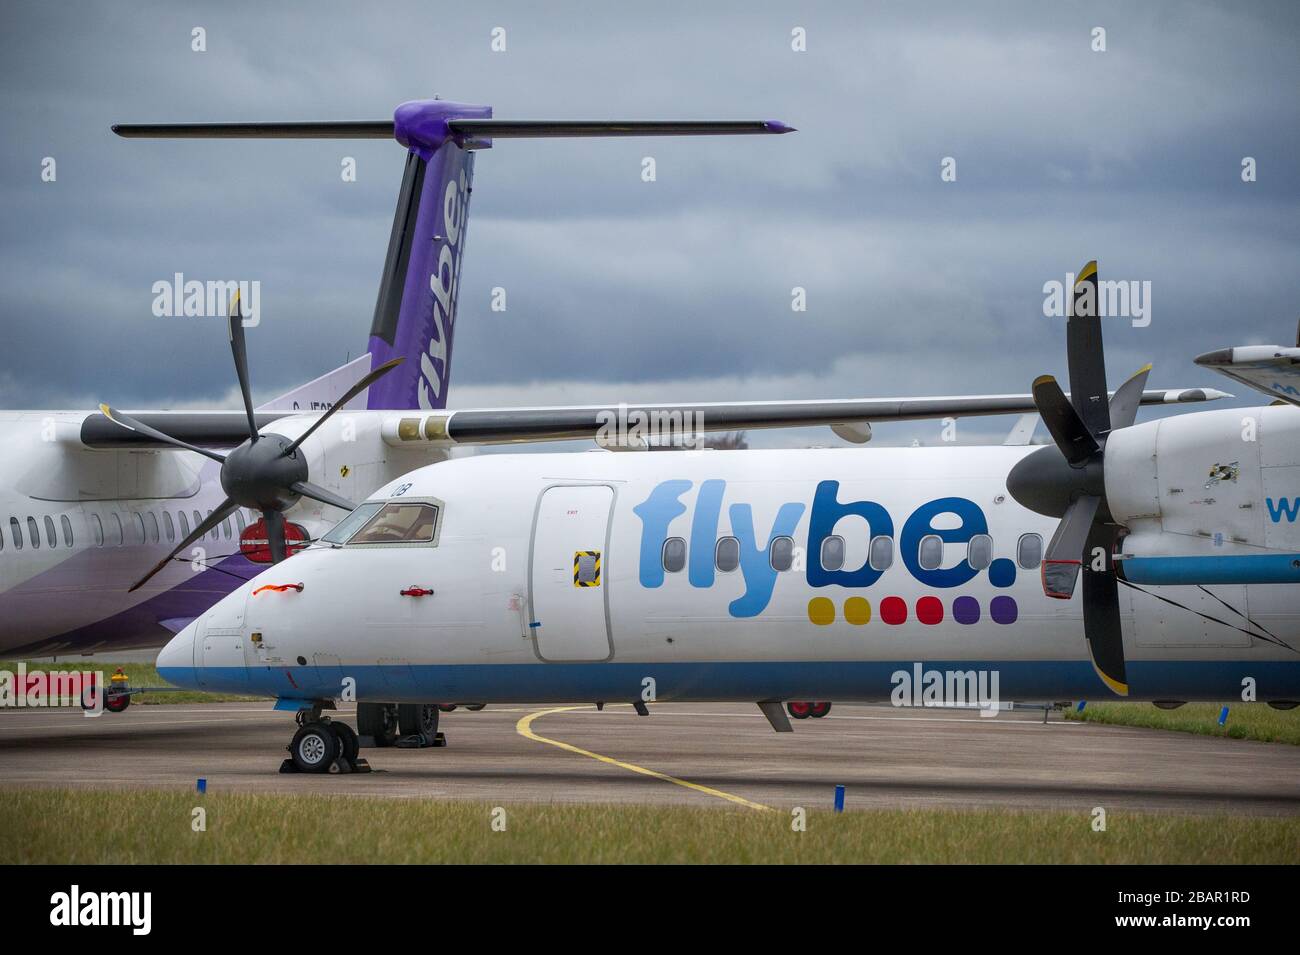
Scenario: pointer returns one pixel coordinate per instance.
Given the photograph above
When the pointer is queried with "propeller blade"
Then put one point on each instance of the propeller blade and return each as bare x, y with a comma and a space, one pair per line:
318, 493
360, 386
1066, 426
1101, 620
227, 508
275, 534
1083, 349
240, 352
1124, 403
131, 424
1065, 552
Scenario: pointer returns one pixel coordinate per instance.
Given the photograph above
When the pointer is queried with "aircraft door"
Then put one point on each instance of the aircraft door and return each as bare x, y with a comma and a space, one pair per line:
569, 618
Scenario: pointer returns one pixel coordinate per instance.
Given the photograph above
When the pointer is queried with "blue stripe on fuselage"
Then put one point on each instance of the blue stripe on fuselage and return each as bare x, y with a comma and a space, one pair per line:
749, 681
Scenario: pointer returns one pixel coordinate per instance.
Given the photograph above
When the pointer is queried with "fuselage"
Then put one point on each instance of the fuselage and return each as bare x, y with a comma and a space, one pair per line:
745, 575
79, 526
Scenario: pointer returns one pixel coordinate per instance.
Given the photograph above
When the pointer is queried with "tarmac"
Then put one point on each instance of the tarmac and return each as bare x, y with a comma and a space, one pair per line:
679, 754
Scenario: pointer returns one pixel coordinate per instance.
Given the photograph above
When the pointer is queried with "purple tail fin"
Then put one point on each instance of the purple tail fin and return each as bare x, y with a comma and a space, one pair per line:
415, 315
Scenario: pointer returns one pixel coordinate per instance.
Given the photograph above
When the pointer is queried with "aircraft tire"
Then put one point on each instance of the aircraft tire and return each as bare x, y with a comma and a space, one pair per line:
798, 709
447, 707
378, 721
349, 745
421, 718
818, 710
314, 748
474, 707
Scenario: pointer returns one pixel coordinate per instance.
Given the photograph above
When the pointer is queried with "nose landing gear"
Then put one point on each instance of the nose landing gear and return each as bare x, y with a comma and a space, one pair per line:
323, 745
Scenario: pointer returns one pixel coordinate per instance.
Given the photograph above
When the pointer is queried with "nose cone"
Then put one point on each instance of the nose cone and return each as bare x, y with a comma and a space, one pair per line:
175, 661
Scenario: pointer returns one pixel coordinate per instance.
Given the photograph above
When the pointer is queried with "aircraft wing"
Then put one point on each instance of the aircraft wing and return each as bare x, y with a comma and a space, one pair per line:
609, 425
1272, 369
510, 425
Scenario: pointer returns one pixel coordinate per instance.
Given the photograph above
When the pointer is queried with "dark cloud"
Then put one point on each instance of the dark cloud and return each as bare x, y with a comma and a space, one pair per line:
678, 289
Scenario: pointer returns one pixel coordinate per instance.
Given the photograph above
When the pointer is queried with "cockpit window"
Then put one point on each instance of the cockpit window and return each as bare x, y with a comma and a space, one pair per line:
352, 523
388, 522
398, 523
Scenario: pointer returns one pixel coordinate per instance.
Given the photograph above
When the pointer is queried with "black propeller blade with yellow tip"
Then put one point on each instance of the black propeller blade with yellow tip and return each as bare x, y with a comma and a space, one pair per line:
266, 473
1067, 480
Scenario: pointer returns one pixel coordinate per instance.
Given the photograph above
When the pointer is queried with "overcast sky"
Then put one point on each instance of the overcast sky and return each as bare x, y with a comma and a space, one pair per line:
680, 289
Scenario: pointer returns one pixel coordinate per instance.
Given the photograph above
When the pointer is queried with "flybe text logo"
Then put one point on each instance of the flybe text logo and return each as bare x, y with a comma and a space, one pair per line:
444, 282
954, 520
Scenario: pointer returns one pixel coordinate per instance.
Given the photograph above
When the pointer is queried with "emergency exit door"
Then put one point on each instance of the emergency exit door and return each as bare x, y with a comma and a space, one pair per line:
569, 574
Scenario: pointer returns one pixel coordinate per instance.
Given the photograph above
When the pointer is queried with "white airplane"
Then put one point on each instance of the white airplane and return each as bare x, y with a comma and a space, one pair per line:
117, 530
777, 575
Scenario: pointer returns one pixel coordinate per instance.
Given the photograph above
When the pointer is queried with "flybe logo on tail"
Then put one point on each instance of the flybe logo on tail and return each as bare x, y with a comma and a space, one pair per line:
1283, 507
953, 520
444, 282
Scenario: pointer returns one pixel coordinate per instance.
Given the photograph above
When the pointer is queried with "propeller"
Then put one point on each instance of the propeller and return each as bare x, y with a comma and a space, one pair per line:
265, 473
1067, 480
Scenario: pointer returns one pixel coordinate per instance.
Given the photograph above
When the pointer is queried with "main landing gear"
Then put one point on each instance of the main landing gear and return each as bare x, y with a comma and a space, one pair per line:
802, 709
404, 725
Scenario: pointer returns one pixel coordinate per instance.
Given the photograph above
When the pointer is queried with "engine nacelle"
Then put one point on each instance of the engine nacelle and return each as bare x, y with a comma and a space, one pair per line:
1211, 497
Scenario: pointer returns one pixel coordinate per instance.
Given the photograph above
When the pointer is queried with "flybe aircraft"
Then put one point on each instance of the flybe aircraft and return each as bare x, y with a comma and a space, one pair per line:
117, 530
1156, 561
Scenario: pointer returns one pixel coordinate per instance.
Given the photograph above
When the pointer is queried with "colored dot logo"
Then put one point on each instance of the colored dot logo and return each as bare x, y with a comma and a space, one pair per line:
893, 611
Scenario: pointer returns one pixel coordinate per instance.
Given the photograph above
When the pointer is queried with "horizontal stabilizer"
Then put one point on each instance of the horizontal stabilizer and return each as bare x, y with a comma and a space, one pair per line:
466, 129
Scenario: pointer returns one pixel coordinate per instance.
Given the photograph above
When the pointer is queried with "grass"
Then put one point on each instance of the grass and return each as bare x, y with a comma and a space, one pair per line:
139, 674
138, 826
1256, 721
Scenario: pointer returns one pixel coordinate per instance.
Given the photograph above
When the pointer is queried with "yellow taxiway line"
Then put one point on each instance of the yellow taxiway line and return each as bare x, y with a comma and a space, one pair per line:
524, 729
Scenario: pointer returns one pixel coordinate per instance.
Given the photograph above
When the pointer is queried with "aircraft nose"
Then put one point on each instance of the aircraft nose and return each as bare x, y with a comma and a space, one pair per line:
175, 661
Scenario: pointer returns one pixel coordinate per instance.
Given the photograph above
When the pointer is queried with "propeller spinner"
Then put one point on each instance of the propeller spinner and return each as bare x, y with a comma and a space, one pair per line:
1068, 480
265, 473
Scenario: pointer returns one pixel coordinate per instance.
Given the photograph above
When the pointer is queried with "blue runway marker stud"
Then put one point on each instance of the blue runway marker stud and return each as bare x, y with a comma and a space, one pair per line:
202, 785
1223, 716
839, 798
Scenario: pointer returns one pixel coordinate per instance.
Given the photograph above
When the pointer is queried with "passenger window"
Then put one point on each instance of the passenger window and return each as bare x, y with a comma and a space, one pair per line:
1029, 551
832, 553
198, 519
33, 535
239, 521
726, 556
16, 532
931, 552
97, 530
881, 555
151, 525
51, 539
979, 551
781, 553
137, 536
674, 554
67, 529
225, 528
168, 527
185, 524
115, 531
408, 522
